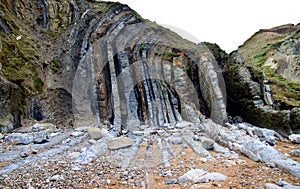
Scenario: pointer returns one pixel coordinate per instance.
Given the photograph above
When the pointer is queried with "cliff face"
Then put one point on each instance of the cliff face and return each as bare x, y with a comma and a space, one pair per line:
94, 62
86, 62
276, 52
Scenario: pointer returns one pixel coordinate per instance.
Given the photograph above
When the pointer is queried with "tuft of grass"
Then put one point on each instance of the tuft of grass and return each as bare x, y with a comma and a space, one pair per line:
56, 65
168, 56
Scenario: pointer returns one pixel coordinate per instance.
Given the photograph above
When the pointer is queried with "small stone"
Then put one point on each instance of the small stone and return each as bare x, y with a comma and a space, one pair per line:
240, 161
57, 178
76, 168
175, 140
92, 141
282, 183
184, 124
26, 151
207, 143
229, 163
120, 142
203, 160
295, 153
295, 138
169, 173
1, 136
77, 134
74, 155
272, 186
138, 133
49, 127
192, 175
214, 176
172, 181
96, 133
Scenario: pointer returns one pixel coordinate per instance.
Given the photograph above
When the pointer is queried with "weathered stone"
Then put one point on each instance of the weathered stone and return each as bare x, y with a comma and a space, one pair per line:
184, 124
27, 138
74, 155
265, 135
96, 133
295, 138
207, 143
26, 151
295, 153
57, 178
172, 181
272, 186
175, 140
77, 134
120, 142
48, 127
193, 175
214, 176
289, 166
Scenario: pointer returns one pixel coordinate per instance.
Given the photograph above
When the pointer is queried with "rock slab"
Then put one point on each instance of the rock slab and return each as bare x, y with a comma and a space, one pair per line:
96, 133
120, 142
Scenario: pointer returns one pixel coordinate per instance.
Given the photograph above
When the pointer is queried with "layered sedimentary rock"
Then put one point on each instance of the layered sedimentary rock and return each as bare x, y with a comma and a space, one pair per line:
105, 63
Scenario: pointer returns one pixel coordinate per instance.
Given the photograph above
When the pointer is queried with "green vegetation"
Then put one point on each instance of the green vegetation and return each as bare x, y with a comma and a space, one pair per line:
256, 51
168, 56
56, 65
18, 62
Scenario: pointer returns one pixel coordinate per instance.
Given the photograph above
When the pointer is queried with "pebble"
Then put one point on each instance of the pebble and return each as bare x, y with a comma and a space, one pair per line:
92, 141
77, 134
57, 178
172, 181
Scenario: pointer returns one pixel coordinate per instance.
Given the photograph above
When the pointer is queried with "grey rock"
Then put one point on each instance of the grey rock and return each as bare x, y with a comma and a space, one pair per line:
197, 147
120, 142
48, 127
272, 186
214, 176
289, 186
207, 143
295, 138
282, 183
26, 151
27, 138
175, 140
258, 151
289, 166
92, 141
77, 134
96, 133
184, 124
193, 175
74, 155
295, 153
172, 181
265, 135
57, 178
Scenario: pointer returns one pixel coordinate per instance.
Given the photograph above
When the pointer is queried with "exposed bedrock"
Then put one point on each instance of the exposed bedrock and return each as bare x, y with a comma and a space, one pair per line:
133, 72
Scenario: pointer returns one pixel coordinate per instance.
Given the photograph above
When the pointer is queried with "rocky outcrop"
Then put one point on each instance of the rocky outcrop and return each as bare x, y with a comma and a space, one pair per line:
276, 52
250, 96
10, 110
115, 67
